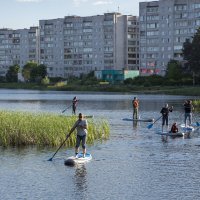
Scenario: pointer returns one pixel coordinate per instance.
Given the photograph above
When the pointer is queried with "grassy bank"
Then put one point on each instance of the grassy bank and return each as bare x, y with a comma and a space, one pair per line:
22, 128
171, 90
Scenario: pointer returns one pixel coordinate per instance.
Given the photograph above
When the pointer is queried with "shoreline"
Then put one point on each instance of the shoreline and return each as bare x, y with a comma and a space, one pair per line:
168, 90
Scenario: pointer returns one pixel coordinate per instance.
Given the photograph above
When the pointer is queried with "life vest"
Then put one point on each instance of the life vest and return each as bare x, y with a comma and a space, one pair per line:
135, 103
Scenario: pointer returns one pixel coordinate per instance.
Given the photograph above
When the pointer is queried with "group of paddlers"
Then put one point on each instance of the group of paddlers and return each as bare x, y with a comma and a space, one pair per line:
188, 108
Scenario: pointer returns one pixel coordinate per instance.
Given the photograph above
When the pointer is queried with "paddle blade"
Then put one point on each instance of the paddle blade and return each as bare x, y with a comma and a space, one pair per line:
150, 126
50, 159
197, 123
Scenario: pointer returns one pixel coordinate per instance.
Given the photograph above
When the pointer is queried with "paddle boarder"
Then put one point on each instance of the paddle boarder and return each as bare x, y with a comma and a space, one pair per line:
81, 127
165, 114
188, 107
135, 103
74, 105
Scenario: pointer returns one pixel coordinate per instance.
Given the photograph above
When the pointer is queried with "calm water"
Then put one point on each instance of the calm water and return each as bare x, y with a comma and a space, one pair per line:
133, 164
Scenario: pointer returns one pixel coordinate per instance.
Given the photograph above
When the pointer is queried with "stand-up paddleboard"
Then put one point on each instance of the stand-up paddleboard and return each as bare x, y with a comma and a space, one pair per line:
78, 159
178, 134
85, 116
138, 120
187, 128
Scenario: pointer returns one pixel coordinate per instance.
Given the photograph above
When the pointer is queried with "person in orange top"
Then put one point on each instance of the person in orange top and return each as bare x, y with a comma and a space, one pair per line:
135, 103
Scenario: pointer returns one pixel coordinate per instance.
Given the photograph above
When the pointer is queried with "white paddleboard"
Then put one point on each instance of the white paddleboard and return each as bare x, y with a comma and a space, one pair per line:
80, 158
187, 128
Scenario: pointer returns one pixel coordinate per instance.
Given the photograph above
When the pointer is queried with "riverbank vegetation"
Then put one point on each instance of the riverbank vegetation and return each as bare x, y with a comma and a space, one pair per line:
196, 104
23, 128
177, 81
187, 90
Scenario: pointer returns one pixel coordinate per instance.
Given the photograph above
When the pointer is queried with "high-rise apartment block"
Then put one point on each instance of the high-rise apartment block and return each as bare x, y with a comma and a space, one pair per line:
164, 27
18, 47
74, 45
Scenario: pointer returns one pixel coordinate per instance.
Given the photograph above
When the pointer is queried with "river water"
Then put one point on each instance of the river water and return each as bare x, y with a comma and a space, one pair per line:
135, 163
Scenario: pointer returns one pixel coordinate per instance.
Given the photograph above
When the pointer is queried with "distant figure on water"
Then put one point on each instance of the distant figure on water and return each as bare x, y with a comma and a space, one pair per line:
188, 107
174, 128
135, 103
81, 127
74, 105
165, 114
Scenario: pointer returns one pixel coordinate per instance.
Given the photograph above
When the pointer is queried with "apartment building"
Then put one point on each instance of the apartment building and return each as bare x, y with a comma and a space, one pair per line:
164, 27
76, 45
18, 47
51, 48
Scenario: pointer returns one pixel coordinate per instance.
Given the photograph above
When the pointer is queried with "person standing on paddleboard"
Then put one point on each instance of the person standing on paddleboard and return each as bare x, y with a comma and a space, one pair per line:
135, 103
81, 127
188, 107
74, 105
165, 114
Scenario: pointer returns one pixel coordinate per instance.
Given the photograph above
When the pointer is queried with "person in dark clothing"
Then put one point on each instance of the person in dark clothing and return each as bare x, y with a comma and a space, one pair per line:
174, 128
74, 105
188, 107
165, 114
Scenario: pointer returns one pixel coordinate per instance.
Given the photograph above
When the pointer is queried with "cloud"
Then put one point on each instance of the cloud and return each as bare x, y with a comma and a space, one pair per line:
102, 2
94, 2
29, 1
78, 2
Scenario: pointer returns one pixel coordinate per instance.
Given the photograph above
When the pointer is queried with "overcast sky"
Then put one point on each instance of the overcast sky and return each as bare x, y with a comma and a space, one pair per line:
17, 14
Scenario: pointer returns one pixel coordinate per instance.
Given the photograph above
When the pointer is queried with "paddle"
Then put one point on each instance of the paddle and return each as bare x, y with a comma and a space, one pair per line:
50, 159
66, 109
151, 125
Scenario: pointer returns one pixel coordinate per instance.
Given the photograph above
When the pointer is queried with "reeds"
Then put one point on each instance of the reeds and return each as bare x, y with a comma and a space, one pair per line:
23, 128
196, 104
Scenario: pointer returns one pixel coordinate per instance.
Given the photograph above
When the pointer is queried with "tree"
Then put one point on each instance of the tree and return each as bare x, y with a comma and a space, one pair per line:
12, 73
174, 68
26, 71
33, 72
191, 53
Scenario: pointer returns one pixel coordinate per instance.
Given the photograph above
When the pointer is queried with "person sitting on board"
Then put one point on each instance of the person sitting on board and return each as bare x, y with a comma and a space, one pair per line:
188, 107
74, 105
81, 127
165, 114
174, 128
135, 103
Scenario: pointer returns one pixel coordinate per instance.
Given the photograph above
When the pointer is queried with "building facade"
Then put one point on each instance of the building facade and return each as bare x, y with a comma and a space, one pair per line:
164, 27
76, 45
17, 47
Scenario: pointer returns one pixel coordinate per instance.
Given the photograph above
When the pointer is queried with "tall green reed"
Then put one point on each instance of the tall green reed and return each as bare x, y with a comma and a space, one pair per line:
23, 128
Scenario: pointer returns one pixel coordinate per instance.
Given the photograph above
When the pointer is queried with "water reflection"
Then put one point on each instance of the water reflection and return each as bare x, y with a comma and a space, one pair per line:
135, 125
80, 178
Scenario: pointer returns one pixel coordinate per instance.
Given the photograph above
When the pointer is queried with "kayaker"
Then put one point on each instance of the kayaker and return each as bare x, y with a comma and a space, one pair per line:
135, 103
81, 127
165, 114
174, 128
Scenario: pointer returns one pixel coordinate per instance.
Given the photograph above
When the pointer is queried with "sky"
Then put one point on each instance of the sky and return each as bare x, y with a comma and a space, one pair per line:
19, 14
